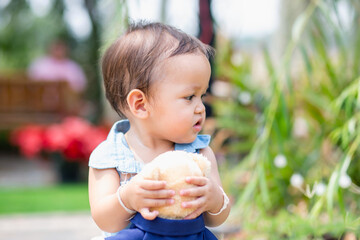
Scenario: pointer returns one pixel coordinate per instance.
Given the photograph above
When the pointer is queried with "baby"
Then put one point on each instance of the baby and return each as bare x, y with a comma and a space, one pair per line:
155, 77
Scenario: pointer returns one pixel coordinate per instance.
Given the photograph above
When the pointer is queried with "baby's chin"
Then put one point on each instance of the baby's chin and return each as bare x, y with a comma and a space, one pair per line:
186, 140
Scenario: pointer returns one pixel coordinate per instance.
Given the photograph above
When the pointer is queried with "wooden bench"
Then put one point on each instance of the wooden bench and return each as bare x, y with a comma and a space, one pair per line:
23, 102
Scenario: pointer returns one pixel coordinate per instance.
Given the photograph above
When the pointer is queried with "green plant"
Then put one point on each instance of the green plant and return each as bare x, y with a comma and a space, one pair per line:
286, 168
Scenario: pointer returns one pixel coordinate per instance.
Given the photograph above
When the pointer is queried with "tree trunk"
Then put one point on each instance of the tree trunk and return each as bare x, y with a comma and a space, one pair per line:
207, 36
95, 83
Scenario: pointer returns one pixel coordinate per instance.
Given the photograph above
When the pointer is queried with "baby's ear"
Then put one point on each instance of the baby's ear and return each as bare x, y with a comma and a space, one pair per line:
203, 163
137, 103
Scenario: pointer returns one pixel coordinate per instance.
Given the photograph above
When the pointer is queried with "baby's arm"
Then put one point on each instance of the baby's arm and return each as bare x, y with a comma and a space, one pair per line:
210, 197
105, 208
138, 194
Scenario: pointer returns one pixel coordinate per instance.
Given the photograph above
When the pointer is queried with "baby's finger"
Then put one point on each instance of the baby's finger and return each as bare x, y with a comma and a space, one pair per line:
149, 202
145, 213
199, 181
159, 194
194, 214
193, 192
153, 185
197, 203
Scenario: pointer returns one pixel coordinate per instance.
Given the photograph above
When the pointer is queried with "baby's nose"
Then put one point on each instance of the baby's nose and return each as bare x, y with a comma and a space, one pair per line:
200, 108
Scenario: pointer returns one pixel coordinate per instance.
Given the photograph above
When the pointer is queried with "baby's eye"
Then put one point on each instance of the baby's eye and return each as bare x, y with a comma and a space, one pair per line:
204, 95
189, 97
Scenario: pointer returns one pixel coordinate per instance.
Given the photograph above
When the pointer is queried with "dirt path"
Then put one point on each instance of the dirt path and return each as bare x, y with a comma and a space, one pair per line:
54, 226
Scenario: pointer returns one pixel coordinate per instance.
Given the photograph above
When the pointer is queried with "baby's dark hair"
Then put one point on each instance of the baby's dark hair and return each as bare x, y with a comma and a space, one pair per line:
130, 62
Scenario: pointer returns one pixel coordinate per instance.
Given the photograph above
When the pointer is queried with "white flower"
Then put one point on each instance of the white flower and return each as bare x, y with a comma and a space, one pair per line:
221, 88
237, 59
351, 126
245, 98
320, 189
344, 181
297, 180
300, 128
280, 161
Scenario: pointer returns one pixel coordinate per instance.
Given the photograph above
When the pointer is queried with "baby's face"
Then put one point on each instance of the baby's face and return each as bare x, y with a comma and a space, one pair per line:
177, 112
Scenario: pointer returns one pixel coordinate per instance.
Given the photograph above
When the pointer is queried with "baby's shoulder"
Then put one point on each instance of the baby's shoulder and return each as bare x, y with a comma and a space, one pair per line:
103, 156
113, 152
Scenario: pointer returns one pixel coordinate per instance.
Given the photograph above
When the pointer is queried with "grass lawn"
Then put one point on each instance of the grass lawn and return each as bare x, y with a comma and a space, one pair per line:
69, 197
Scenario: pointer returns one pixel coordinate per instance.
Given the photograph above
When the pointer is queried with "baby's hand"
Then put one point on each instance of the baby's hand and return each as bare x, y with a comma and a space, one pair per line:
207, 195
141, 194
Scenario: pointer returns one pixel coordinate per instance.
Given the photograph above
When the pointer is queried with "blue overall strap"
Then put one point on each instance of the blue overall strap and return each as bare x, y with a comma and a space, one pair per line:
165, 229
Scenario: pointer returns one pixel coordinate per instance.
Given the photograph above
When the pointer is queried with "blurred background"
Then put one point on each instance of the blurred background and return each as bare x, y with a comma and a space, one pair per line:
282, 110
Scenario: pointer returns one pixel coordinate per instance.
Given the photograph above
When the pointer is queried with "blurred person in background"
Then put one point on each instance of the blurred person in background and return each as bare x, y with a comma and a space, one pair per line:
56, 66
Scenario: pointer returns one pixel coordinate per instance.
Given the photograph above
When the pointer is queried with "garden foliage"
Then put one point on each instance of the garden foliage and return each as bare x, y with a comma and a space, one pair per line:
294, 160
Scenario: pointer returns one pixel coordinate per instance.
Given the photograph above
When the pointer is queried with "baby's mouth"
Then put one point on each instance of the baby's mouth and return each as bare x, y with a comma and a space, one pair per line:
198, 123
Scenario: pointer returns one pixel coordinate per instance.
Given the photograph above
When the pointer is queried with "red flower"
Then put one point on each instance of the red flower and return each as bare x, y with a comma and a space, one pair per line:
94, 137
75, 138
55, 138
74, 151
29, 139
76, 127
